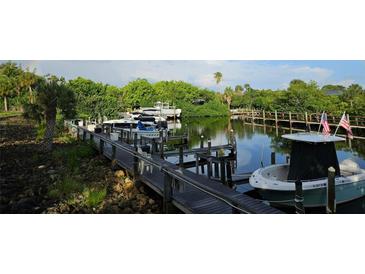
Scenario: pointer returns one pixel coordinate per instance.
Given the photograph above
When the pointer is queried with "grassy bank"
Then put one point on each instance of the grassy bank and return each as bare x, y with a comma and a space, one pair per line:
74, 178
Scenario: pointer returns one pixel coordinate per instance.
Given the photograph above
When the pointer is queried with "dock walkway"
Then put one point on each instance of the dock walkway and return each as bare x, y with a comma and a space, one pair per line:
181, 188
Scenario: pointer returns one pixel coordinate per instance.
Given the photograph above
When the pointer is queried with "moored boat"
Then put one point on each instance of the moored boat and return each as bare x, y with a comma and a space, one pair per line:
311, 156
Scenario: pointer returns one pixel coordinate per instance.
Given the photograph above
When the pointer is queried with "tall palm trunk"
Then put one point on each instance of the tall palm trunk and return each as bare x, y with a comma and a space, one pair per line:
5, 103
31, 95
50, 127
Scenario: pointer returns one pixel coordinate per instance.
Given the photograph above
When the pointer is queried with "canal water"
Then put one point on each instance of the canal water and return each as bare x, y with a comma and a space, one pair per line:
255, 144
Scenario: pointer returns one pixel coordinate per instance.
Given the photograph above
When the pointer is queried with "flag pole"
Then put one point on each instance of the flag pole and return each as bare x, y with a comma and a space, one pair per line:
320, 123
339, 123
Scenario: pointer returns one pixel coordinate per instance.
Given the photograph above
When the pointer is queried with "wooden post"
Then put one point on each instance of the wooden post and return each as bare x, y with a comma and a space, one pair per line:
273, 158
101, 146
161, 144
299, 206
290, 119
209, 147
223, 171
263, 116
331, 191
135, 141
130, 133
276, 118
181, 156
306, 119
197, 163
229, 173
92, 138
114, 152
154, 146
78, 134
252, 116
167, 193
201, 141
209, 167
216, 166
84, 135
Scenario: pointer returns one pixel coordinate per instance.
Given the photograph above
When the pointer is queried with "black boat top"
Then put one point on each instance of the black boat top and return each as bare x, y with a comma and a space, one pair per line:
311, 155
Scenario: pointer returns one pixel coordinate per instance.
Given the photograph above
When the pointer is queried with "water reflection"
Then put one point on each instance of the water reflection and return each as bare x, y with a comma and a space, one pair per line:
255, 143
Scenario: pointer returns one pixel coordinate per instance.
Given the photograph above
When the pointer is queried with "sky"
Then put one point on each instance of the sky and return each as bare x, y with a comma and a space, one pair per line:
259, 74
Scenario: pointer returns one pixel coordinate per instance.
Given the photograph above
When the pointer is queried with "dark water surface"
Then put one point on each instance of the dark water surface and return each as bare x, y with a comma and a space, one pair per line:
256, 142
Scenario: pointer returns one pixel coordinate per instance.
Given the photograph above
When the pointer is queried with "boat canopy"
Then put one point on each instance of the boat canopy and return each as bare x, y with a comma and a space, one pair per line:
311, 156
311, 137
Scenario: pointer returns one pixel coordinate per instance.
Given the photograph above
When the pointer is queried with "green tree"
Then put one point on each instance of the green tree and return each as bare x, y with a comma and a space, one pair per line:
10, 81
52, 94
27, 80
238, 89
6, 90
218, 76
227, 96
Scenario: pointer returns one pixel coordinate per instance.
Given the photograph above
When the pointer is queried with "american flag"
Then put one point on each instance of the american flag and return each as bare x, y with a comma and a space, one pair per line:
346, 125
326, 128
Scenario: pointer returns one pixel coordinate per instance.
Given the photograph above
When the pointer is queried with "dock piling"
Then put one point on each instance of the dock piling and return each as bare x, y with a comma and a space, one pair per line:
167, 194
273, 158
298, 200
181, 156
331, 191
223, 171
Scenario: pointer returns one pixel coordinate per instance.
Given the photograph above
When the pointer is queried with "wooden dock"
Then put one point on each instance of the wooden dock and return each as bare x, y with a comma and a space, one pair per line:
180, 188
297, 121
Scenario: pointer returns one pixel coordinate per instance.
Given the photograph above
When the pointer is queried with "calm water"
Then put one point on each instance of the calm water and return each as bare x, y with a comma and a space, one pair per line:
255, 143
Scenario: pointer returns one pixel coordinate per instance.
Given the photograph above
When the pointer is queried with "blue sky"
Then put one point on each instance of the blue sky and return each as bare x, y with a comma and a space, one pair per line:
259, 74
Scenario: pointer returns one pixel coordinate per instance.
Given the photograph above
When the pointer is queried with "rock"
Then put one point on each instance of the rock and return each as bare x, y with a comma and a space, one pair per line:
118, 188
128, 184
119, 174
24, 205
41, 167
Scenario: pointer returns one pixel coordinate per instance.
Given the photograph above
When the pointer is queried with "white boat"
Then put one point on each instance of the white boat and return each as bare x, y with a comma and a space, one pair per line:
162, 109
311, 156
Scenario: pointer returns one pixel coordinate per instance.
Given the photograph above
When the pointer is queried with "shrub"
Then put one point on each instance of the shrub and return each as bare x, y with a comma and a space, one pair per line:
65, 188
94, 197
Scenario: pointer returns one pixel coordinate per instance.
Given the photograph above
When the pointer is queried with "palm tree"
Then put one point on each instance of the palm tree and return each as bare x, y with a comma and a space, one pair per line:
52, 94
27, 79
228, 94
218, 76
6, 89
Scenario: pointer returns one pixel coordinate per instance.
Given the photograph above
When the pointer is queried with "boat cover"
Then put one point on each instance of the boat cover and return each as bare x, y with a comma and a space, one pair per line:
310, 161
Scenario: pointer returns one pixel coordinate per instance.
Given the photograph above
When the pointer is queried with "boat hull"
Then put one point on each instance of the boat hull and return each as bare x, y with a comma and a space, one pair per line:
315, 197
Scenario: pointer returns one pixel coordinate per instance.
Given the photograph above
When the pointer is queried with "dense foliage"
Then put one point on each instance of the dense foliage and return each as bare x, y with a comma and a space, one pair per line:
301, 96
94, 100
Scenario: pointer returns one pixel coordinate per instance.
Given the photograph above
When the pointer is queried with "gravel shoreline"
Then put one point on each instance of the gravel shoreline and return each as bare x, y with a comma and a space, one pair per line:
32, 181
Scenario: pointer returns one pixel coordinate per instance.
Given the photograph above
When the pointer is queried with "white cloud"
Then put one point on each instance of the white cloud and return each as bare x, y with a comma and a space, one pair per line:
346, 82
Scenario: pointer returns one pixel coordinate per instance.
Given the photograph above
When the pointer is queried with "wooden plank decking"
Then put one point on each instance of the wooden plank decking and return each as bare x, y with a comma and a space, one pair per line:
197, 197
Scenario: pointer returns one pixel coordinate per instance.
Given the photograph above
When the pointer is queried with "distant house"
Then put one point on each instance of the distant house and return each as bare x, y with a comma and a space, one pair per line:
334, 92
198, 102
